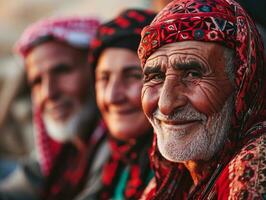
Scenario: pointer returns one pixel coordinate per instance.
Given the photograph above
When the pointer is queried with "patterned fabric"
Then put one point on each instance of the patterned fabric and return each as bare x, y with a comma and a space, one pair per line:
70, 170
77, 32
224, 22
134, 155
48, 149
64, 167
124, 32
245, 173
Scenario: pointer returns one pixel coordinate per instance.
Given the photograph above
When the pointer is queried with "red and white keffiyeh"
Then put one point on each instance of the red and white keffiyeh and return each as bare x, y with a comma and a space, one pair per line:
75, 31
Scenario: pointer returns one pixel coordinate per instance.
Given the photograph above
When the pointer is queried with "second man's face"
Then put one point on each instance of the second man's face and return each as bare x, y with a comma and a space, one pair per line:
59, 78
118, 90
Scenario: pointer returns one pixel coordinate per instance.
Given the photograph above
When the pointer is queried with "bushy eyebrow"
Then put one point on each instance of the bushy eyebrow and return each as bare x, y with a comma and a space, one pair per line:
151, 69
57, 68
192, 64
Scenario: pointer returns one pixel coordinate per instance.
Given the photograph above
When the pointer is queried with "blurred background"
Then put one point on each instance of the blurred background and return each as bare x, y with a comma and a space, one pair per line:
16, 131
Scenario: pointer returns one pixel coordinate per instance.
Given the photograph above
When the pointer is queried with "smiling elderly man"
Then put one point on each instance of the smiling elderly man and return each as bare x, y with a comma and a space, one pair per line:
204, 94
55, 52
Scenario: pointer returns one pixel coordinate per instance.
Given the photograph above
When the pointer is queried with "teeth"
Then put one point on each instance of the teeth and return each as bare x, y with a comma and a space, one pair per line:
172, 126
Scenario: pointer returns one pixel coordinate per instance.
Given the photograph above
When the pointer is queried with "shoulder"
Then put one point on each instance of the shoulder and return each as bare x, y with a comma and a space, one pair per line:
23, 182
247, 170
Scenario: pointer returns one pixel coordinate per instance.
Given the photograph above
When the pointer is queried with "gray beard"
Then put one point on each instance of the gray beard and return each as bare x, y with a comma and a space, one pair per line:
204, 142
69, 129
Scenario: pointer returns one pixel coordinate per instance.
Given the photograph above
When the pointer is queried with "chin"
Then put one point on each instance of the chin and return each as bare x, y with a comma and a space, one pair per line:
68, 129
182, 153
121, 134
124, 133
201, 143
198, 145
60, 131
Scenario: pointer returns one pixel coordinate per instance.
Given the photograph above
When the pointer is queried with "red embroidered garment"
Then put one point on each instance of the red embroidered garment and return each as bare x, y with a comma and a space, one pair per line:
134, 155
72, 166
238, 171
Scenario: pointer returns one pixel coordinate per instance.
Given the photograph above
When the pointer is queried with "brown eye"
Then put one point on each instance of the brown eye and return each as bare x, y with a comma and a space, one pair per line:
156, 77
102, 77
193, 74
35, 82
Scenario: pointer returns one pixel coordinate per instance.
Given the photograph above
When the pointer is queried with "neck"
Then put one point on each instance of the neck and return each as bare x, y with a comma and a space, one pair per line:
198, 170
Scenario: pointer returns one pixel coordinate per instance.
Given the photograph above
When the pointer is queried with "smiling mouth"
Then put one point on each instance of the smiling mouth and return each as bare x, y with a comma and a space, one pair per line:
178, 123
124, 112
58, 111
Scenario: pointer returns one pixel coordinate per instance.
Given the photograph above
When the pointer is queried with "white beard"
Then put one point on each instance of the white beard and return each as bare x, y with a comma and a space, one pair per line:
179, 145
67, 130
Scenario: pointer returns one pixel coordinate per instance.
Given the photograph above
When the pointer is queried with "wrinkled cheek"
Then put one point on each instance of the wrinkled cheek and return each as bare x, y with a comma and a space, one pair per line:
202, 104
149, 99
209, 100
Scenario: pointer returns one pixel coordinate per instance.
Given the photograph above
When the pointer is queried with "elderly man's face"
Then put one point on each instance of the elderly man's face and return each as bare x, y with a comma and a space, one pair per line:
59, 78
186, 98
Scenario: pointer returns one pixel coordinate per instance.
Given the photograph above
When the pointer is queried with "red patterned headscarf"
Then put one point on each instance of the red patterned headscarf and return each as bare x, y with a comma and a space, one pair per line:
75, 31
122, 32
224, 22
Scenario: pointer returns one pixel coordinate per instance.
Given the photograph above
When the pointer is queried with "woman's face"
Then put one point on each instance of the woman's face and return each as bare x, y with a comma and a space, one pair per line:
118, 93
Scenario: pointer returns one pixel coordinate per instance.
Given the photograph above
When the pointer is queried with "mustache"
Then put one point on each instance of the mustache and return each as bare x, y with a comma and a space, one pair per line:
62, 101
187, 113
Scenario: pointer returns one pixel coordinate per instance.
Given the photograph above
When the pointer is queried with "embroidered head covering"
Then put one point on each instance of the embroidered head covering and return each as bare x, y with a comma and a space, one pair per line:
122, 32
72, 167
77, 32
224, 22
128, 159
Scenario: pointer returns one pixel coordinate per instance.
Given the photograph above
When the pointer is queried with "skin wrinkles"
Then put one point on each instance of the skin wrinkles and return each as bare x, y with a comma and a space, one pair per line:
154, 65
212, 97
202, 84
183, 58
207, 85
188, 98
154, 62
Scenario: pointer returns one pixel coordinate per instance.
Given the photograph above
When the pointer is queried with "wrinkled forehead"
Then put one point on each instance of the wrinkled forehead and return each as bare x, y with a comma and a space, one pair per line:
186, 51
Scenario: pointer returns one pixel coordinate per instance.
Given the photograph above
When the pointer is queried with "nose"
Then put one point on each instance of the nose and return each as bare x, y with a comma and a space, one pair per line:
172, 96
115, 92
49, 88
